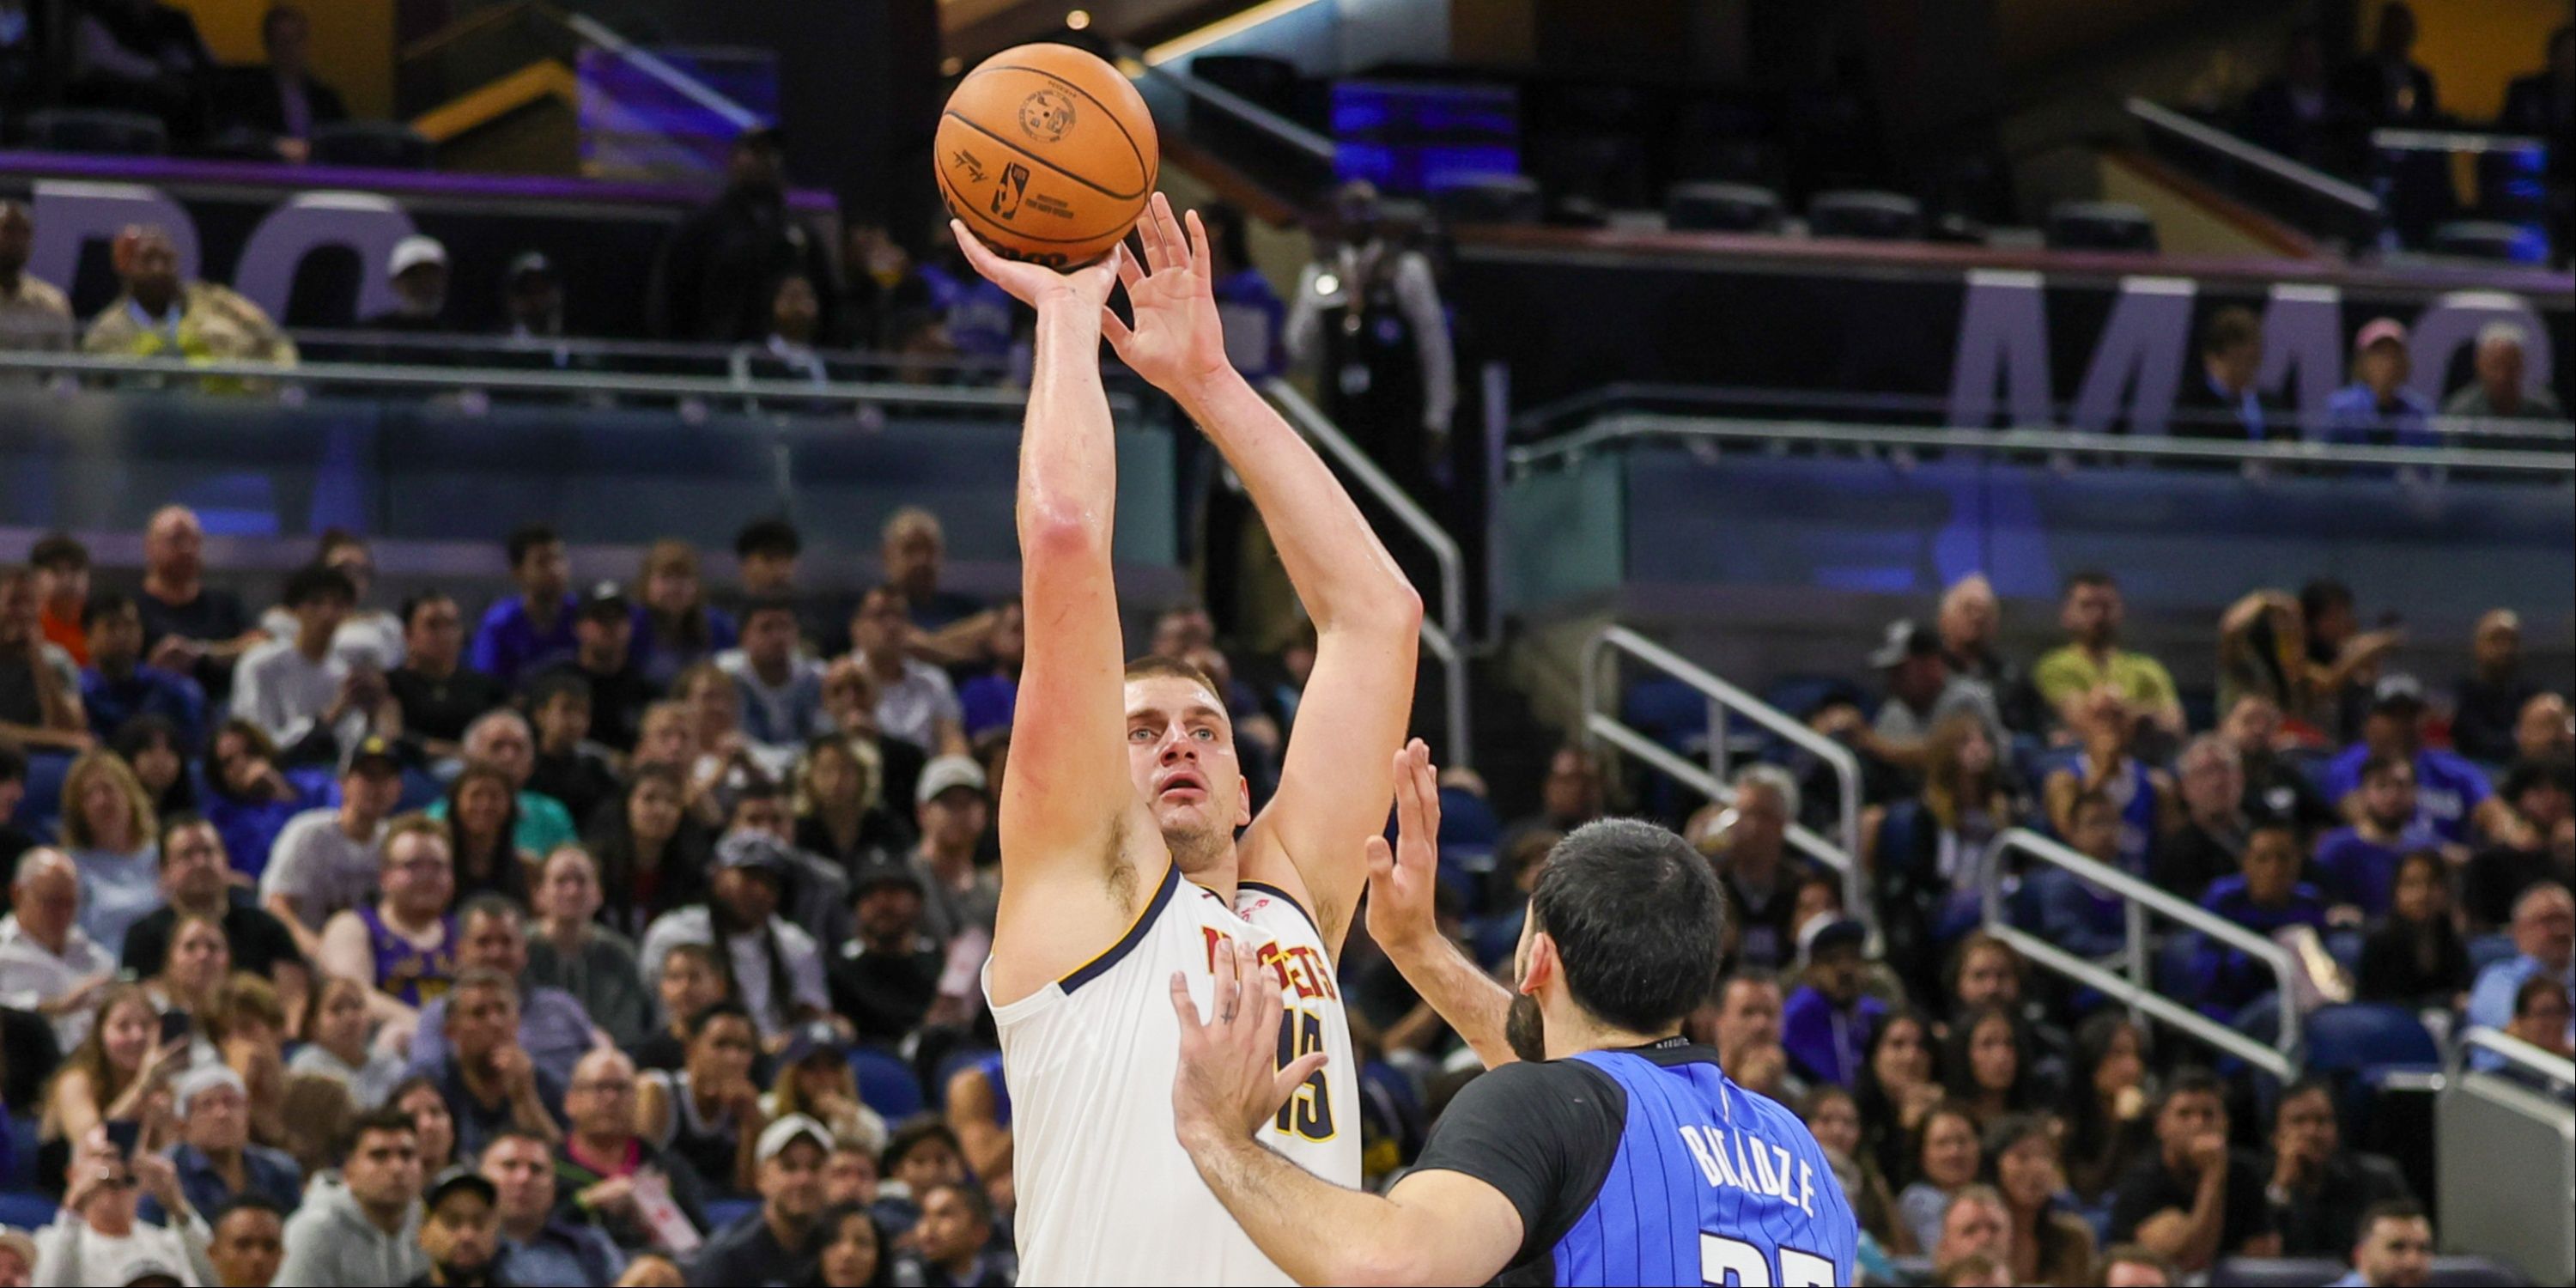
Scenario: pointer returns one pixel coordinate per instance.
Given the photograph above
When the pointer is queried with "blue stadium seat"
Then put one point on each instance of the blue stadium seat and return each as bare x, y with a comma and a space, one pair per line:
22, 1154
725, 1212
2277, 1272
24, 1210
1722, 207
886, 1083
2358, 1036
2488, 949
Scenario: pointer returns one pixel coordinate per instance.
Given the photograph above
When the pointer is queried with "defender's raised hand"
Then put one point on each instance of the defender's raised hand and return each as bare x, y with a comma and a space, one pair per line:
1229, 1081
1176, 339
1403, 881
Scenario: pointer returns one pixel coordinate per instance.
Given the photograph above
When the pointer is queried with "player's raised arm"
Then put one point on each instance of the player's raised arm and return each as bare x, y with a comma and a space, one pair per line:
1067, 793
1333, 787
1402, 881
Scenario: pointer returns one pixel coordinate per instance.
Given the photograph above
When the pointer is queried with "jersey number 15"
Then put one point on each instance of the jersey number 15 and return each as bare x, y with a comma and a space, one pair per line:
1733, 1263
1308, 1113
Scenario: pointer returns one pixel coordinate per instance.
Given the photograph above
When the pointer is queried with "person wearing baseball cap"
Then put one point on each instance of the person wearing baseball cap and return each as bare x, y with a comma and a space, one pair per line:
1825, 1025
2453, 798
1922, 692
2378, 409
886, 976
952, 805
418, 271
775, 1244
777, 966
325, 859
459, 1230
533, 301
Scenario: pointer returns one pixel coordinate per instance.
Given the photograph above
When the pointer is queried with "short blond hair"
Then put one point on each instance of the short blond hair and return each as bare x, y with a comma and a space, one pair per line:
94, 764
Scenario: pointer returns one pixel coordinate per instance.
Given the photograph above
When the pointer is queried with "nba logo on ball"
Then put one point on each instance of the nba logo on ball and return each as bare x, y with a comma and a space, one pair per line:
1046, 154
1046, 115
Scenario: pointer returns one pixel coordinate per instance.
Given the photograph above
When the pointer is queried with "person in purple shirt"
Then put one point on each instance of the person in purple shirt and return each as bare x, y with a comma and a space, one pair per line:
2452, 797
2357, 865
1825, 1025
2264, 896
491, 934
535, 625
2377, 409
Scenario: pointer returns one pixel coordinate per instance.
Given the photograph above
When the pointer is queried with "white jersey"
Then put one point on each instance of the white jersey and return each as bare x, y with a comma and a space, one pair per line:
1106, 1194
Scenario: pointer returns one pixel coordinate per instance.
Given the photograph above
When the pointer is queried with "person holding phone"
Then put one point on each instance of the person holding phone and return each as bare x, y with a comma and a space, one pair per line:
119, 1073
98, 1238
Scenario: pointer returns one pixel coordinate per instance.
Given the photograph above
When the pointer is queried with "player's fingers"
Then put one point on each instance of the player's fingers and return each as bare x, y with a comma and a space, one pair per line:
1149, 234
1183, 1006
1178, 245
1128, 272
1199, 246
1116, 330
1252, 990
974, 250
1426, 780
1298, 1071
1380, 857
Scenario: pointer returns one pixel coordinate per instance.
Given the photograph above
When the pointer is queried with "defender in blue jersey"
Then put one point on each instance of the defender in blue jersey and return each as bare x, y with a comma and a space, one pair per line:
1611, 1151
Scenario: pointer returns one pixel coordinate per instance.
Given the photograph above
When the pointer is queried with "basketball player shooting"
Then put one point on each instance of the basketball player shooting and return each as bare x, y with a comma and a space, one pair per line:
1121, 871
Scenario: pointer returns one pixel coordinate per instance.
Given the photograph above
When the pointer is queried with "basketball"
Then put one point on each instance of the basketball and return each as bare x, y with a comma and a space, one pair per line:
1047, 154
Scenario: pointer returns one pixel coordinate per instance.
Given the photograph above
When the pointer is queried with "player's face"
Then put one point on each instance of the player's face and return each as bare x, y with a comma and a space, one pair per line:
1180, 755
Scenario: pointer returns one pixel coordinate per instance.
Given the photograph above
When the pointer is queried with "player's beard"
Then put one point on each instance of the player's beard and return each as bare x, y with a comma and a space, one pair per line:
1525, 1028
1195, 847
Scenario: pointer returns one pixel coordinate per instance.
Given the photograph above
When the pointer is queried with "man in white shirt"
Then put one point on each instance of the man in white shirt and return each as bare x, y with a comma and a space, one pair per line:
915, 702
47, 965
300, 691
740, 918
782, 690
326, 859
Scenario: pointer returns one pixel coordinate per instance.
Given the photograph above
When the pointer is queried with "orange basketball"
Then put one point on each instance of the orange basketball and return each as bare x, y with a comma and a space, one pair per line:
1047, 153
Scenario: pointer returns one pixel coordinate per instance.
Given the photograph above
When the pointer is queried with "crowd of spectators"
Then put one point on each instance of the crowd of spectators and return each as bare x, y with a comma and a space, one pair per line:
636, 932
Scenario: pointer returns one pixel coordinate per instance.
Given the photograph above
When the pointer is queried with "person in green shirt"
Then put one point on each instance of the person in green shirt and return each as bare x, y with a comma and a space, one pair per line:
2092, 658
503, 739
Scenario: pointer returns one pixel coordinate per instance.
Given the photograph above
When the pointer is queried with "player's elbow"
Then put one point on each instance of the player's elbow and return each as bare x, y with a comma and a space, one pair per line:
1056, 530
1382, 1261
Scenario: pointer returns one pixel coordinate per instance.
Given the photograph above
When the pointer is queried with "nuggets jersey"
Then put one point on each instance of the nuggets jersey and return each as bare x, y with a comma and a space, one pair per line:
1106, 1193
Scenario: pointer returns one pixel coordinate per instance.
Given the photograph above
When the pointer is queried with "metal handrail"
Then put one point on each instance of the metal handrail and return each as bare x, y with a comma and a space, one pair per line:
498, 342
2448, 141
2514, 1051
2290, 455
1600, 725
2359, 200
1445, 637
460, 379
2137, 988
1314, 145
689, 87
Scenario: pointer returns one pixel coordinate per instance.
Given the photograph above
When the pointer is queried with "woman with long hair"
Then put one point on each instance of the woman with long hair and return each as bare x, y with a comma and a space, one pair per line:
652, 855
1833, 1116
854, 1250
1897, 1086
839, 788
336, 1030
108, 829
674, 626
1947, 1159
1932, 850
246, 1020
2049, 1244
1986, 1064
2111, 1127
246, 797
2416, 958
419, 1096
150, 744
194, 969
120, 1072
483, 816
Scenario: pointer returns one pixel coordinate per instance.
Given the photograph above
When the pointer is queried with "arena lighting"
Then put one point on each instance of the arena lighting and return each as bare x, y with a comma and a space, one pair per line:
1078, 19
1185, 45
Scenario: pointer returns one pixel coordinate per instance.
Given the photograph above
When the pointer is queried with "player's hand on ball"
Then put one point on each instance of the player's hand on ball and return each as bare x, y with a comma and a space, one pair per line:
1403, 880
1229, 1081
1038, 286
1176, 338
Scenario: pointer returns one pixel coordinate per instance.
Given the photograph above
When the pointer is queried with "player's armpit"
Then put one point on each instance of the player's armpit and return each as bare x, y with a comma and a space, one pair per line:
1335, 783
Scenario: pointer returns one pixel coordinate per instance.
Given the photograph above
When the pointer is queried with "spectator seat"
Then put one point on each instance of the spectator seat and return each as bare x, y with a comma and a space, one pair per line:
384, 145
2490, 239
1482, 197
97, 130
2100, 225
2277, 1272
886, 1083
722, 1213
2484, 951
1722, 207
1865, 214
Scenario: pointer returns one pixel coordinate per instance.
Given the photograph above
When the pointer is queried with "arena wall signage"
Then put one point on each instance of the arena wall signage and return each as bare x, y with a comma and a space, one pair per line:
308, 244
1964, 337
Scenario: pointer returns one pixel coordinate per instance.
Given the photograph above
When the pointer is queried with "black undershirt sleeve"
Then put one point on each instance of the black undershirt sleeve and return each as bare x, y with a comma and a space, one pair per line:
1544, 1134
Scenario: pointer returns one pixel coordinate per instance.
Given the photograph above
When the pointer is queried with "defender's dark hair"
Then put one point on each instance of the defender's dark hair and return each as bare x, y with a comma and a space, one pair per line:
1638, 920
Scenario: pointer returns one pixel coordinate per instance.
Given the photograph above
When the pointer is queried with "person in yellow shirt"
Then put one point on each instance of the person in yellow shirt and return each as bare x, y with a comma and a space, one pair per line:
2092, 659
158, 315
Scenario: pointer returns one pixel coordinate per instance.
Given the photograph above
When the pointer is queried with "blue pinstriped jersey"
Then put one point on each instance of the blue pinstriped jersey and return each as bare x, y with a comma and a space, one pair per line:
1710, 1184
